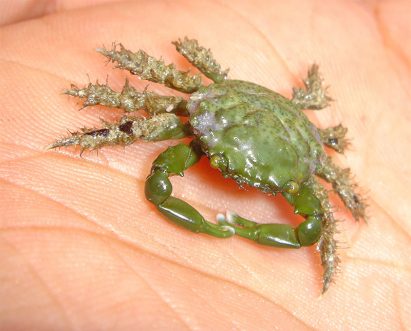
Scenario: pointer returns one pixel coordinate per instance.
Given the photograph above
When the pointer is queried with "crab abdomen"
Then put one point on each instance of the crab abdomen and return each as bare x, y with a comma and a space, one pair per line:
254, 135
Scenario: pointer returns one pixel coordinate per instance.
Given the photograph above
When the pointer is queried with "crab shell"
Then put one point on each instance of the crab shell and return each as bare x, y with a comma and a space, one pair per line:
254, 135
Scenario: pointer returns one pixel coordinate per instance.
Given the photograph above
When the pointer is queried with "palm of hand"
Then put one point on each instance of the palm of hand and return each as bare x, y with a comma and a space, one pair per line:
80, 243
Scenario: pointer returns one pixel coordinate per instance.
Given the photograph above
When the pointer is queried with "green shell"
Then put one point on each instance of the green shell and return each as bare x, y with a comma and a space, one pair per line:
254, 135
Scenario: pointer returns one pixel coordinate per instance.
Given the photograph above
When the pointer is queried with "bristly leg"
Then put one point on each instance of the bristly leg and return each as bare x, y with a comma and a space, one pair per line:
344, 186
334, 138
126, 131
129, 99
202, 58
314, 95
147, 67
327, 245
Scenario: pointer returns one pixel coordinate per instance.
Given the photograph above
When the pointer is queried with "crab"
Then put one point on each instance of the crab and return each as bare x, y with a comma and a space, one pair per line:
250, 133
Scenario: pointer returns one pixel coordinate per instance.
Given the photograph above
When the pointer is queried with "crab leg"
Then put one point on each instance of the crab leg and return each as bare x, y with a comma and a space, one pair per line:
314, 95
149, 68
334, 137
343, 185
126, 131
158, 190
202, 58
129, 99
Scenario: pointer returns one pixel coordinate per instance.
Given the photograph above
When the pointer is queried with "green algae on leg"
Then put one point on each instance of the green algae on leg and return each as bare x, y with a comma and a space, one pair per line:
202, 58
129, 99
314, 95
147, 67
126, 131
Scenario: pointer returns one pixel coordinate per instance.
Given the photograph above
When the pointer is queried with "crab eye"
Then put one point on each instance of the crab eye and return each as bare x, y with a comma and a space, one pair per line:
291, 187
218, 162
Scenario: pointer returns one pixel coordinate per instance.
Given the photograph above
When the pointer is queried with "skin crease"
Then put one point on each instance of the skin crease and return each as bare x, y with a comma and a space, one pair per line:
81, 248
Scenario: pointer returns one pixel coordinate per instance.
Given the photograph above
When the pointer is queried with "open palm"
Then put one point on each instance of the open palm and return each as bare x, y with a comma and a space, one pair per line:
81, 248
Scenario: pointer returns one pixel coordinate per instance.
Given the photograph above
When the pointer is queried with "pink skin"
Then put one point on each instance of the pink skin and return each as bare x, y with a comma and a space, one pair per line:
81, 248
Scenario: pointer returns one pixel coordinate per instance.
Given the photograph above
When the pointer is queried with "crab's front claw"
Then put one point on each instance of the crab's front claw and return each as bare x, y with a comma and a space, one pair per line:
277, 235
175, 160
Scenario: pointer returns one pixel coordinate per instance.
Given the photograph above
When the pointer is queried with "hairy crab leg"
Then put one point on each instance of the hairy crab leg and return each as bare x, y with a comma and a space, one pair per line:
158, 189
202, 58
126, 131
314, 95
344, 186
147, 67
129, 99
327, 245
334, 137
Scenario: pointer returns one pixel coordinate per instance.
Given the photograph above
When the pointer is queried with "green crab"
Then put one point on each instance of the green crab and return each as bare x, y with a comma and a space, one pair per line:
250, 133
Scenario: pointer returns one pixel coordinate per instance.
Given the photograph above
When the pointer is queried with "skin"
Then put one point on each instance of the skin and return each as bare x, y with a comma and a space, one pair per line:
81, 248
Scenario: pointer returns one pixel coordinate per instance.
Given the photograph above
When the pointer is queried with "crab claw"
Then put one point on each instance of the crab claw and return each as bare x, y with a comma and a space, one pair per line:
228, 218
